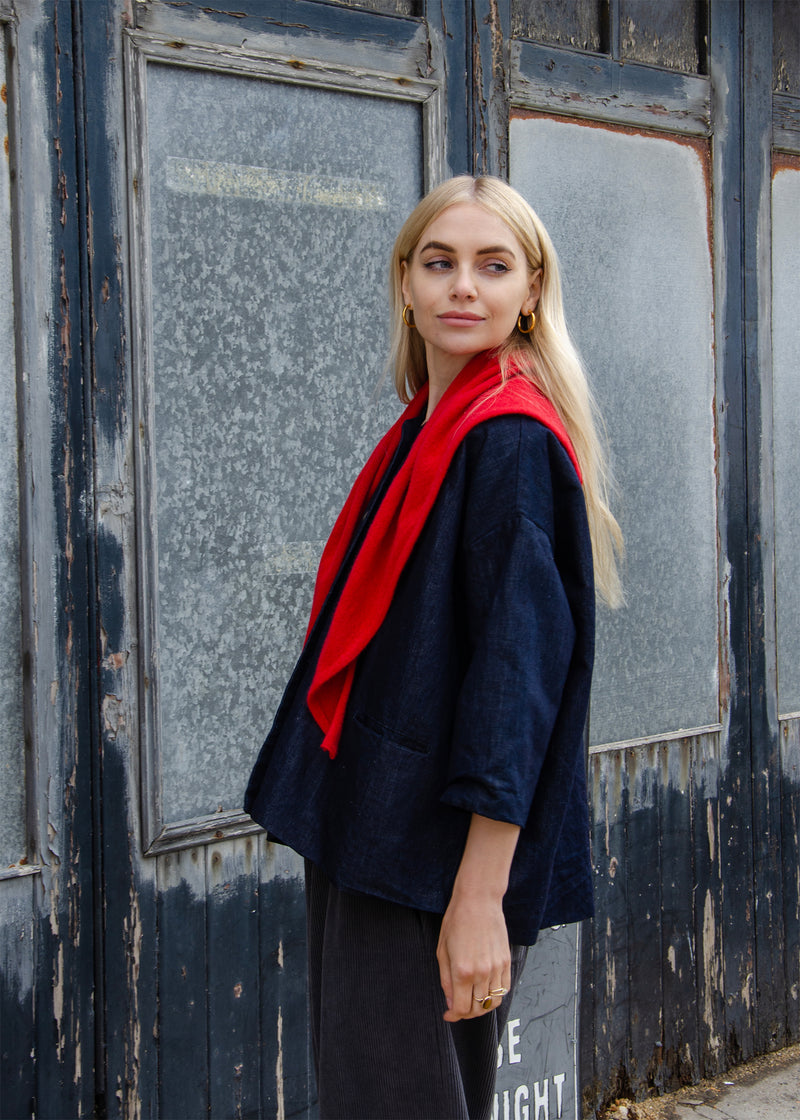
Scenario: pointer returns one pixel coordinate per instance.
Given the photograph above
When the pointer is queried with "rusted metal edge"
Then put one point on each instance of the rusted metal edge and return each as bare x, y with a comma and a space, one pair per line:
596, 87
785, 161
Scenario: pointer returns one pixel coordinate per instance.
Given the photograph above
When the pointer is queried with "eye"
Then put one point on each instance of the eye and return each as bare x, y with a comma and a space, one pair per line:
437, 264
497, 267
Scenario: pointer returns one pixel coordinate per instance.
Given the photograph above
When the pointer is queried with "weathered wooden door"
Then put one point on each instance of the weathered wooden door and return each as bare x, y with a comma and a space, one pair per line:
195, 208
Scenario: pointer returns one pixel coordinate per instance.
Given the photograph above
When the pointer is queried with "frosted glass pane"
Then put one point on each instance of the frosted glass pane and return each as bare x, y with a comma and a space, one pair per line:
273, 209
786, 404
628, 216
12, 755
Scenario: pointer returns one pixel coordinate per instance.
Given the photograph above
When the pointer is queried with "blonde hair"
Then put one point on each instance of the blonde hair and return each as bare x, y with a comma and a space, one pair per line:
547, 356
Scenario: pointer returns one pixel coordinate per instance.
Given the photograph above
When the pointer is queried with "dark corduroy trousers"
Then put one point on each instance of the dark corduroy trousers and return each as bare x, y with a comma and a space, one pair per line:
381, 1047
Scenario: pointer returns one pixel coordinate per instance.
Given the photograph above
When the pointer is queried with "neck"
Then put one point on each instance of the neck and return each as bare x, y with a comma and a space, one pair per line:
442, 372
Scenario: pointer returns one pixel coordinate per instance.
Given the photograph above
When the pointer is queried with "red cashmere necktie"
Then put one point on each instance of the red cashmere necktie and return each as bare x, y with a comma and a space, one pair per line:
476, 394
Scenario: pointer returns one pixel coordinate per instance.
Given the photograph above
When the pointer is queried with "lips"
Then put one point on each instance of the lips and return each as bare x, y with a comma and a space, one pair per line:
461, 317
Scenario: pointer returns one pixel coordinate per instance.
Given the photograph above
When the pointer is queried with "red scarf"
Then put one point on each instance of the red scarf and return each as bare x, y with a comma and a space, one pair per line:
476, 394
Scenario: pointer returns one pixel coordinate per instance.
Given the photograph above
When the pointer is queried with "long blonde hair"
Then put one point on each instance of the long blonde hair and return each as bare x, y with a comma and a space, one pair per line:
547, 356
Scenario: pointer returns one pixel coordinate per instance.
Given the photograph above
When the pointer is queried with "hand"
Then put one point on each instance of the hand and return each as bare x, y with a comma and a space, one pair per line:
473, 954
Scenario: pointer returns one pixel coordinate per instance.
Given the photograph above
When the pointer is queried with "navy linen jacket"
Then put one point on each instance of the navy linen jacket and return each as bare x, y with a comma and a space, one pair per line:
471, 698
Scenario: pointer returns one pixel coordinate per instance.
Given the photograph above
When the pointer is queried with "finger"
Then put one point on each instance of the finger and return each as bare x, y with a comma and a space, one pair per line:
445, 976
464, 1003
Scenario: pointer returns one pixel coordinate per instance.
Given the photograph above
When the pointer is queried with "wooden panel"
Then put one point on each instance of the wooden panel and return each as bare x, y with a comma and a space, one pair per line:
389, 7
678, 946
17, 970
669, 33
609, 796
643, 973
709, 933
790, 805
183, 985
643, 859
769, 1005
733, 783
287, 1080
564, 23
786, 46
601, 88
233, 978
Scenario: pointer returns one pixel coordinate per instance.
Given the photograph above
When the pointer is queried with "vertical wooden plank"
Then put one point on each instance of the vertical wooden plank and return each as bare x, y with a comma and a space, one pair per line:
608, 774
126, 1049
735, 915
450, 56
644, 915
233, 978
65, 953
769, 1005
183, 985
17, 969
491, 31
681, 1059
587, 1015
709, 934
790, 778
287, 1079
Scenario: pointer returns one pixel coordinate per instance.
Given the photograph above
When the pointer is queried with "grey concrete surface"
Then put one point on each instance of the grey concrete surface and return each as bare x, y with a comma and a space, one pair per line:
774, 1095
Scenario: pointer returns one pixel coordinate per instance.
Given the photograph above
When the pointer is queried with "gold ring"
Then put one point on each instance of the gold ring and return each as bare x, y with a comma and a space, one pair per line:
487, 1001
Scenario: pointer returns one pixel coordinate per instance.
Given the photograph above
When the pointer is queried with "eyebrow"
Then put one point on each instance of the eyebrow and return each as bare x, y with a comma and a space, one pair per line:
488, 251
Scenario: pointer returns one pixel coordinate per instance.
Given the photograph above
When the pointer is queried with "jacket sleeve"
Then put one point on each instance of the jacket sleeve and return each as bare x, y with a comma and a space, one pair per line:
520, 636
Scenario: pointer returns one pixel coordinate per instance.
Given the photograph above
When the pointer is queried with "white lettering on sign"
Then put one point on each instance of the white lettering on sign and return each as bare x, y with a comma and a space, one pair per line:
558, 1081
236, 180
542, 1099
513, 1041
521, 1110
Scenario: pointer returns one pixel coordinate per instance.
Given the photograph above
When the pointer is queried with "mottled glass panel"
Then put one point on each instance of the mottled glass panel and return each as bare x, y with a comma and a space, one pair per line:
273, 208
12, 753
786, 46
560, 23
668, 33
786, 412
628, 215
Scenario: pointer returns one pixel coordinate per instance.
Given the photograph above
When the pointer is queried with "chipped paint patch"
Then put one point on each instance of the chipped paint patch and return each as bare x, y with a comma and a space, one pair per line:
279, 1084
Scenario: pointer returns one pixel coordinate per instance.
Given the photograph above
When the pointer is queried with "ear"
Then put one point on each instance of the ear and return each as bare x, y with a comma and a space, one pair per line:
404, 282
534, 292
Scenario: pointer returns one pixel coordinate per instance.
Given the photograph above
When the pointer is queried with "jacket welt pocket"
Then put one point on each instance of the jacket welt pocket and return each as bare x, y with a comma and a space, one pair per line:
390, 735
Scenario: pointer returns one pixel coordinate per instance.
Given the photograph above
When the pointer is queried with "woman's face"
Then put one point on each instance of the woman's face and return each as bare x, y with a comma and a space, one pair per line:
467, 281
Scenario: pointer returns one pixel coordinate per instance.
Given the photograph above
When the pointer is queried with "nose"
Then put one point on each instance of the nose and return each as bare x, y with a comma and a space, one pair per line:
463, 286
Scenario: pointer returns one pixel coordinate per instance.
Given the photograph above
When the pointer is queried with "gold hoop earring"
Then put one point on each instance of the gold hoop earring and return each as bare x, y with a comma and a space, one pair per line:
412, 325
521, 328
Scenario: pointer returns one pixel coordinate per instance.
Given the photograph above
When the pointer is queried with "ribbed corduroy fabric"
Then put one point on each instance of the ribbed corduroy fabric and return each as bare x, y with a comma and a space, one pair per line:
381, 1047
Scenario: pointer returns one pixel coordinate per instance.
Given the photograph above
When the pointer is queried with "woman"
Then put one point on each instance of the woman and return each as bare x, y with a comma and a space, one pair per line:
427, 757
